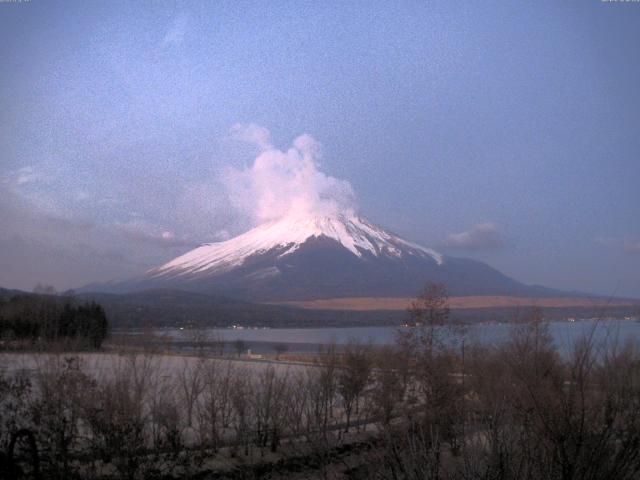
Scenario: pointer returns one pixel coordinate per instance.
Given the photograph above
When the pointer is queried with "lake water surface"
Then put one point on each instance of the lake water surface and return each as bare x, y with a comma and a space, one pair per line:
564, 333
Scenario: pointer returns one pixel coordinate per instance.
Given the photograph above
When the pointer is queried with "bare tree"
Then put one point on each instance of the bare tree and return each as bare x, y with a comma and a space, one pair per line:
387, 394
269, 400
239, 346
297, 406
199, 337
280, 348
353, 377
215, 411
62, 385
240, 399
191, 385
428, 313
218, 343
117, 420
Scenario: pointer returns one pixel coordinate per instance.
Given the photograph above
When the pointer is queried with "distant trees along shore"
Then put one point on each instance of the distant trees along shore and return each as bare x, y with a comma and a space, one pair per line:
49, 318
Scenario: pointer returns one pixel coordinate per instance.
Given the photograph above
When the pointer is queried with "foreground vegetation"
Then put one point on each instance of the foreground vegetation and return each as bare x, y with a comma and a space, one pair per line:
426, 408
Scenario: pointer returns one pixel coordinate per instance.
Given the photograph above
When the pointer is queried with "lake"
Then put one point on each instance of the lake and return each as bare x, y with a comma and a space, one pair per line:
564, 333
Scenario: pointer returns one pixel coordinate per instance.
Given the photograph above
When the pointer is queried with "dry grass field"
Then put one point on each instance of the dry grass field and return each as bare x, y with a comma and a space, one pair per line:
491, 301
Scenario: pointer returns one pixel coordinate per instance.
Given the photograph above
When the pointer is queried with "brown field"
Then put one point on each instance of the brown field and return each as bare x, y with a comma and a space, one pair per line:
491, 301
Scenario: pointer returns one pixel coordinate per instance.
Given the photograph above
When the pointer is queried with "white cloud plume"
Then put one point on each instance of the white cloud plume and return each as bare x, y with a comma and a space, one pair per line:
482, 236
285, 183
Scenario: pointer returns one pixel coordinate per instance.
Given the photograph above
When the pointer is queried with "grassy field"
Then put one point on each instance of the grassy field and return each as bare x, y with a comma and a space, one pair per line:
491, 301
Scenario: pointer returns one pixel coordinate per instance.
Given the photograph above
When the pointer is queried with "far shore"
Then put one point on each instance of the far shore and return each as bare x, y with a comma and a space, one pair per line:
466, 302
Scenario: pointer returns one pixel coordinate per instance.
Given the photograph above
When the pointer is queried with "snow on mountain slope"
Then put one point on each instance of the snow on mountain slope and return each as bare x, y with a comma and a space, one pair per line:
320, 257
286, 236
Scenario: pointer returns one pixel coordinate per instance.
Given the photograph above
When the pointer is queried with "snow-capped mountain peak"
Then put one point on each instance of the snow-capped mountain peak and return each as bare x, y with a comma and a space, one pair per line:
309, 257
287, 235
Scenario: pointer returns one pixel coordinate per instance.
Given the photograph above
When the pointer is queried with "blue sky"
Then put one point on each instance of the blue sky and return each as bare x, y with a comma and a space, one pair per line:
503, 131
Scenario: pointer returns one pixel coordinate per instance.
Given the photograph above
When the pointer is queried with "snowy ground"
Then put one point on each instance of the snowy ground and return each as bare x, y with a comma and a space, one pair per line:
102, 364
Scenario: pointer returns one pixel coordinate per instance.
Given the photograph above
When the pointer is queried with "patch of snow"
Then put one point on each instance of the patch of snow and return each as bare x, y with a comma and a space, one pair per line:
264, 273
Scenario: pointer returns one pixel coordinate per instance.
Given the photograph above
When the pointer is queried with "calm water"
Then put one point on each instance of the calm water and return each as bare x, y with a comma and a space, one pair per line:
564, 333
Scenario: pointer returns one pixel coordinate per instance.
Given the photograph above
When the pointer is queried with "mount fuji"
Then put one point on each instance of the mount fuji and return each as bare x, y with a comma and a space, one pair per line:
318, 257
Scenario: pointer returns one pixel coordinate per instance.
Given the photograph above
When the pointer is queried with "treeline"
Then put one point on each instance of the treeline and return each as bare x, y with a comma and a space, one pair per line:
47, 318
174, 308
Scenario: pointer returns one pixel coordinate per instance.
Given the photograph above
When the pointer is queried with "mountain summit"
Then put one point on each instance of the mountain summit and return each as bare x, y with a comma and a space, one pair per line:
321, 256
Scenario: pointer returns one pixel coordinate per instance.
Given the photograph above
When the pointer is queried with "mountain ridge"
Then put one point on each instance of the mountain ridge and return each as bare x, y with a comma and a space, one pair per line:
321, 256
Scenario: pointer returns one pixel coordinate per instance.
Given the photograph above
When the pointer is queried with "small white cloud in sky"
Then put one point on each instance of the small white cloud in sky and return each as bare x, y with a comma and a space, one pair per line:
627, 244
481, 236
252, 133
24, 176
222, 235
607, 241
631, 246
142, 232
176, 32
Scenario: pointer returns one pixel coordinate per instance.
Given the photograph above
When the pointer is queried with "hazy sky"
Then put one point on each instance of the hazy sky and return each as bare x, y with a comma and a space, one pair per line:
503, 131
